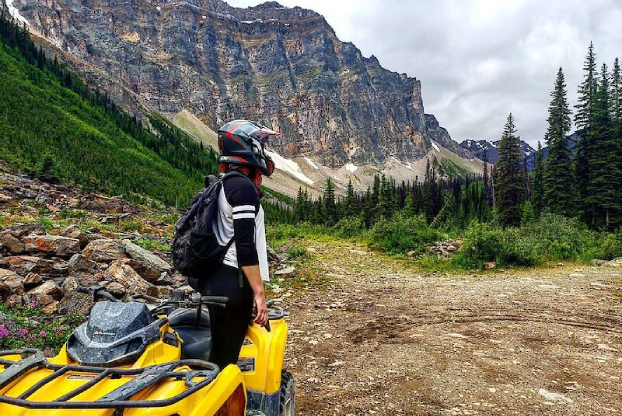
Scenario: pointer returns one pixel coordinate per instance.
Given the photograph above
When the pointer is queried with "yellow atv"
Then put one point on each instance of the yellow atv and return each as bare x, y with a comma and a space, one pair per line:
150, 357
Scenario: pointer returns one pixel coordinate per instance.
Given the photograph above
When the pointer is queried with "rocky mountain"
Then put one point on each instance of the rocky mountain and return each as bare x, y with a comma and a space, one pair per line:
282, 66
478, 147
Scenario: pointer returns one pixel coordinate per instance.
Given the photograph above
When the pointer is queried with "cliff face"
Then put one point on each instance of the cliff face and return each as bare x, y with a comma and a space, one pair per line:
284, 67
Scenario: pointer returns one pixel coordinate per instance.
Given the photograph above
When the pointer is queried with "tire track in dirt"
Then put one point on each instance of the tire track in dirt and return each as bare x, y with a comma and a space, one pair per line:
384, 339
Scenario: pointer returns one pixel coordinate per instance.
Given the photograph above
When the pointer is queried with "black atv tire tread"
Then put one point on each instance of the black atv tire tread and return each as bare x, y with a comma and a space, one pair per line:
286, 392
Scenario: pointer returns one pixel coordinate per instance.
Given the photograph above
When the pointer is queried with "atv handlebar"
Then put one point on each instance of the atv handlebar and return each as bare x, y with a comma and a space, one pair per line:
97, 291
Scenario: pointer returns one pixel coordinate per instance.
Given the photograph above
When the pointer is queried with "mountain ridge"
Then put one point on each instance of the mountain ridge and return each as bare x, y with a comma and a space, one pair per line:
329, 101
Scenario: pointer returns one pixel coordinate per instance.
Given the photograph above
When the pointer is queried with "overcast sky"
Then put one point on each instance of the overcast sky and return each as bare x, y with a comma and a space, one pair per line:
479, 60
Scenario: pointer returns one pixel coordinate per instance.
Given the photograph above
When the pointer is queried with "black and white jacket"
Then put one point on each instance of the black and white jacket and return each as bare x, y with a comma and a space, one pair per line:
241, 214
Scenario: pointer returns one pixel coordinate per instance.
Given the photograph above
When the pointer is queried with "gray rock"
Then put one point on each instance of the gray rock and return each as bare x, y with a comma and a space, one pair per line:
10, 284
104, 250
23, 265
73, 231
44, 294
121, 272
12, 243
146, 264
554, 397
9, 323
81, 264
20, 231
32, 280
52, 245
286, 272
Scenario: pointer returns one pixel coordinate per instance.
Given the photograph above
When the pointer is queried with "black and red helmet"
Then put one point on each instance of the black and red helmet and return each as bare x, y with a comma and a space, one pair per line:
243, 142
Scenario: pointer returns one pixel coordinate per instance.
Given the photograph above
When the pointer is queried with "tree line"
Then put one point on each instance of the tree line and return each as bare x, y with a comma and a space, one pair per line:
582, 174
57, 128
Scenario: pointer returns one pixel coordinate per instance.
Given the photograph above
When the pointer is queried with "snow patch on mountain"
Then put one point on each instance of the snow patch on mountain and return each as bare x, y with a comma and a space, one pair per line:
311, 163
289, 166
435, 146
350, 167
14, 12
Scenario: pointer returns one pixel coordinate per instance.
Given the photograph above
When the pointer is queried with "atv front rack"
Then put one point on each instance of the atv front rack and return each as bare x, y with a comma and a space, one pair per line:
119, 398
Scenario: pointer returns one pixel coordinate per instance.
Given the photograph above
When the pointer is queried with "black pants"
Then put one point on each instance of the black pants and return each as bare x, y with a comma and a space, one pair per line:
229, 324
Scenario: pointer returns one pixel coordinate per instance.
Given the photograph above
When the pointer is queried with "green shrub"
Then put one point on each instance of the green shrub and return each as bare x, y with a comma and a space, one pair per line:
350, 227
607, 247
401, 234
296, 251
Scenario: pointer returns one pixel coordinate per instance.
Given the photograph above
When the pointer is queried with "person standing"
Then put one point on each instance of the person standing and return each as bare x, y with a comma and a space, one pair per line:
240, 217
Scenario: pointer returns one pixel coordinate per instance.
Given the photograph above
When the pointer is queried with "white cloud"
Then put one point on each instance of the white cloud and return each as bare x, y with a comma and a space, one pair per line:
482, 59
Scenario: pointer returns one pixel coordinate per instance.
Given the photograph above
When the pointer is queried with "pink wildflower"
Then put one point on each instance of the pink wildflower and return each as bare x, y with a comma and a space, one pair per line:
22, 333
3, 331
43, 334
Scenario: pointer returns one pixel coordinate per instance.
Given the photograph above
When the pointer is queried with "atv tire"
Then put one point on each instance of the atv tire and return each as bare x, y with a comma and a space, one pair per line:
287, 395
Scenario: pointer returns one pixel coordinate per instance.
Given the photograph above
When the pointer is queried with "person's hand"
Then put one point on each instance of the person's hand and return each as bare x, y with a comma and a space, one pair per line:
261, 310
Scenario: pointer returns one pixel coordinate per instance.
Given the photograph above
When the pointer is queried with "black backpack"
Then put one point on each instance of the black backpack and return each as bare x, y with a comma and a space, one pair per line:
195, 248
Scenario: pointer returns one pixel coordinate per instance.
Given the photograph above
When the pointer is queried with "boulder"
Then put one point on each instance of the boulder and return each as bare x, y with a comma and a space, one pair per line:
52, 245
50, 308
104, 250
490, 265
117, 289
73, 231
12, 243
9, 323
32, 280
44, 294
14, 300
272, 256
75, 303
81, 264
149, 266
121, 272
22, 230
10, 284
286, 272
23, 265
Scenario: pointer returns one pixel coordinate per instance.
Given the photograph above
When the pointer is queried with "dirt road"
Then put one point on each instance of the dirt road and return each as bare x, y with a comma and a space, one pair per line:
383, 339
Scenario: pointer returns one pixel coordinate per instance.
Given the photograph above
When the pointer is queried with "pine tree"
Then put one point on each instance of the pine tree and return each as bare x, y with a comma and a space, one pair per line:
537, 195
349, 208
603, 159
583, 121
510, 184
486, 178
616, 91
368, 209
330, 209
587, 92
558, 179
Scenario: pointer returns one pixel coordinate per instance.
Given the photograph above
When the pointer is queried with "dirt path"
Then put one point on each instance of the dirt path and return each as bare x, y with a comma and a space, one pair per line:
381, 339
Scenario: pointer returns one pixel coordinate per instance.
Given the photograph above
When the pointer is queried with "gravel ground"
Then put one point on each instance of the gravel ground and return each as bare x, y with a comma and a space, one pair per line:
383, 339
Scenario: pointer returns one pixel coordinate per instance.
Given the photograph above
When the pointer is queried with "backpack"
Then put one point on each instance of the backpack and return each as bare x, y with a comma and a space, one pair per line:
195, 248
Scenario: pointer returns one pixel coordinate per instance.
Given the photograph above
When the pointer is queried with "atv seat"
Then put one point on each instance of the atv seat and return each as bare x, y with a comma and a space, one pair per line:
196, 336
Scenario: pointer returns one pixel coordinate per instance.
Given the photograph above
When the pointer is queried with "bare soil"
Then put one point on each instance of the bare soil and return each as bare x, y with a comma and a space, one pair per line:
381, 338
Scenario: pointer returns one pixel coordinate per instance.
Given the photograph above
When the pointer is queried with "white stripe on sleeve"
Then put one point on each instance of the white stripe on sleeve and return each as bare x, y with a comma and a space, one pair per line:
243, 215
244, 208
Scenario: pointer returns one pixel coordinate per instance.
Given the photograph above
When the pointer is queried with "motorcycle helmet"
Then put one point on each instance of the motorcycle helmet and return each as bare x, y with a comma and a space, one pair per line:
242, 142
